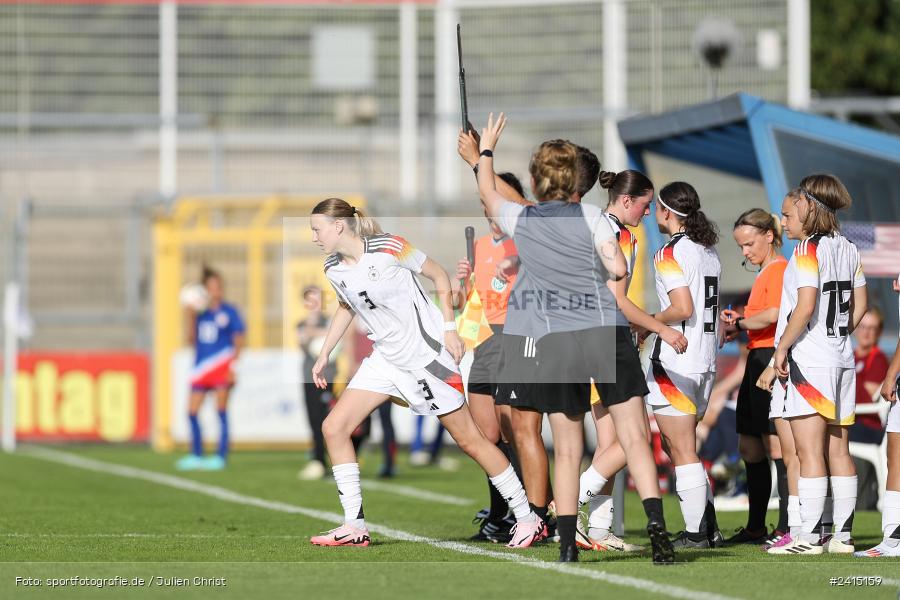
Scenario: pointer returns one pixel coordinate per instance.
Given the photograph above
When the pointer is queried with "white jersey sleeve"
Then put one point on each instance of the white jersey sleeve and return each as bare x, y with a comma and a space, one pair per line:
508, 216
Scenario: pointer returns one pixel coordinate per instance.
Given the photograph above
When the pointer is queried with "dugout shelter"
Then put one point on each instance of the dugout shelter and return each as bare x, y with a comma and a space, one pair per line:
747, 137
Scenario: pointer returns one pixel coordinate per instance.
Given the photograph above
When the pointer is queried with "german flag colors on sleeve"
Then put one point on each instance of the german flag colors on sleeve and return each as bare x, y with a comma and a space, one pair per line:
807, 263
668, 268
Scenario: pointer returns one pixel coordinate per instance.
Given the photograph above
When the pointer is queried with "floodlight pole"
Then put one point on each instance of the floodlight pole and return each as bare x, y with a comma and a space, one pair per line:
168, 99
798, 41
409, 96
615, 83
446, 163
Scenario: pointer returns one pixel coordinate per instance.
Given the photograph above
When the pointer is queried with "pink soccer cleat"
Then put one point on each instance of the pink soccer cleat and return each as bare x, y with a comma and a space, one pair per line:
345, 535
525, 533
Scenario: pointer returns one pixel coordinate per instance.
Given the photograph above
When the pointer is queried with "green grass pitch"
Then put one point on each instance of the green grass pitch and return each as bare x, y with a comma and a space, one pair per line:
248, 527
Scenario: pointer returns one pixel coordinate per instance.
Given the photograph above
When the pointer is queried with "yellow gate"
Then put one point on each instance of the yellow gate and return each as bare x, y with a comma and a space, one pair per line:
244, 238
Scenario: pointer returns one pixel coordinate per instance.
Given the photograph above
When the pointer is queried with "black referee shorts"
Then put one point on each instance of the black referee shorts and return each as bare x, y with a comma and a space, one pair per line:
753, 402
483, 375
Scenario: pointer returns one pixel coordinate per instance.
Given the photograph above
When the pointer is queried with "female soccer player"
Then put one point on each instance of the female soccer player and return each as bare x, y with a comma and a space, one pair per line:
218, 336
822, 301
630, 194
758, 235
415, 357
568, 251
890, 511
687, 283
493, 283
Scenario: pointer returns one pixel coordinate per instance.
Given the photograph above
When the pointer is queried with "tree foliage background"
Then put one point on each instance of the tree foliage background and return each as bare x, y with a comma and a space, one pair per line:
855, 47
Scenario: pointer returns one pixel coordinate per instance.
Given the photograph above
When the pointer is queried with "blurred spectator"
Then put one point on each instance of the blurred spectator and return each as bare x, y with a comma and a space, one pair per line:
310, 335
716, 432
871, 369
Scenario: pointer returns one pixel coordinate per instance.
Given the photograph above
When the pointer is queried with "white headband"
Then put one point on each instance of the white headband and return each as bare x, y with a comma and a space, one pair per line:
670, 209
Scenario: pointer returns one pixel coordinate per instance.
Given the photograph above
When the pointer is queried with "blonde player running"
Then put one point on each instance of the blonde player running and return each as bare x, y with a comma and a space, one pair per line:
890, 511
687, 283
630, 195
823, 300
415, 357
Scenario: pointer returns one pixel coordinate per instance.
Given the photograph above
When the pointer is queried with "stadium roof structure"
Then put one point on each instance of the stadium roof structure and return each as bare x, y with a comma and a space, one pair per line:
748, 137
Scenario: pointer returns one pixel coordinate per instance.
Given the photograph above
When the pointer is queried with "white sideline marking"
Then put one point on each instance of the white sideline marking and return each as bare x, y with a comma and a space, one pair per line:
226, 495
890, 581
405, 490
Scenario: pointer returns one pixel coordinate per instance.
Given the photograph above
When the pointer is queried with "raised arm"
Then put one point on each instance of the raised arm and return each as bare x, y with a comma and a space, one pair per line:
487, 187
467, 146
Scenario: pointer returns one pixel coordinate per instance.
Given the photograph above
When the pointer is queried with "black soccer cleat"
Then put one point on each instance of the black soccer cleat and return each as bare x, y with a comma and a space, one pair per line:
746, 536
497, 531
684, 540
661, 545
568, 554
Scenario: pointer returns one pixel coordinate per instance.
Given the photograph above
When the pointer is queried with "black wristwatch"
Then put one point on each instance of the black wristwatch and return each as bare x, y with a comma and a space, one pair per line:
487, 153
737, 323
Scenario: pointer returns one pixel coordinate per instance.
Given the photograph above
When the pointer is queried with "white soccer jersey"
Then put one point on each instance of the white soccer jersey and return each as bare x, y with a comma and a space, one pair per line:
404, 324
830, 264
682, 262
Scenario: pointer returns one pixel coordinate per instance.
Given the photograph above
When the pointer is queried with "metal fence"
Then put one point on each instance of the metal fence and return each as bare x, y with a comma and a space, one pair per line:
311, 98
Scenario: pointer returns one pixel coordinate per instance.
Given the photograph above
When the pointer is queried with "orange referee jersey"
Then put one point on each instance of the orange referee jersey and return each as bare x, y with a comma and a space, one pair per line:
494, 293
766, 293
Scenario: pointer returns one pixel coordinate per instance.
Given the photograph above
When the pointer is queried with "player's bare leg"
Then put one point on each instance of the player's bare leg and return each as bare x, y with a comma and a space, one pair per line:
349, 411
461, 426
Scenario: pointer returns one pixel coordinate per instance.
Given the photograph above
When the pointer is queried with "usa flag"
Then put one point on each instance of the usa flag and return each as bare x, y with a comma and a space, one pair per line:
879, 247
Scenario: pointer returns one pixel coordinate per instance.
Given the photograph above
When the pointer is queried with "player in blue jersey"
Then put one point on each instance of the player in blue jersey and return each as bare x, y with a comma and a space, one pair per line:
217, 334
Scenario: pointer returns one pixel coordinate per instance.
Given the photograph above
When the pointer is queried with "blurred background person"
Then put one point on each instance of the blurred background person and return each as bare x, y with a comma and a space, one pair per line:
310, 335
217, 334
871, 368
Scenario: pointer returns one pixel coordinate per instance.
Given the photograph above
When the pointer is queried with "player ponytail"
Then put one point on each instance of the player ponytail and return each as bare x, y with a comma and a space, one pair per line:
762, 221
682, 200
359, 222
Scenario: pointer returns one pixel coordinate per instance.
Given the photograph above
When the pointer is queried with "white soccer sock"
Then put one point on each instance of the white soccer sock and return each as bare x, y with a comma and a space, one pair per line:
793, 509
691, 486
812, 504
509, 486
843, 489
600, 516
590, 484
890, 518
347, 478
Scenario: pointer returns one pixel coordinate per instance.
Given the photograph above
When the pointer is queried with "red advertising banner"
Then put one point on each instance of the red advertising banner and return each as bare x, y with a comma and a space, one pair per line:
96, 397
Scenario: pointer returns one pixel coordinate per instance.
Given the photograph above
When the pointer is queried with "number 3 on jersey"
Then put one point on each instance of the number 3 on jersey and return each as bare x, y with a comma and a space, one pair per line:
425, 389
711, 304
